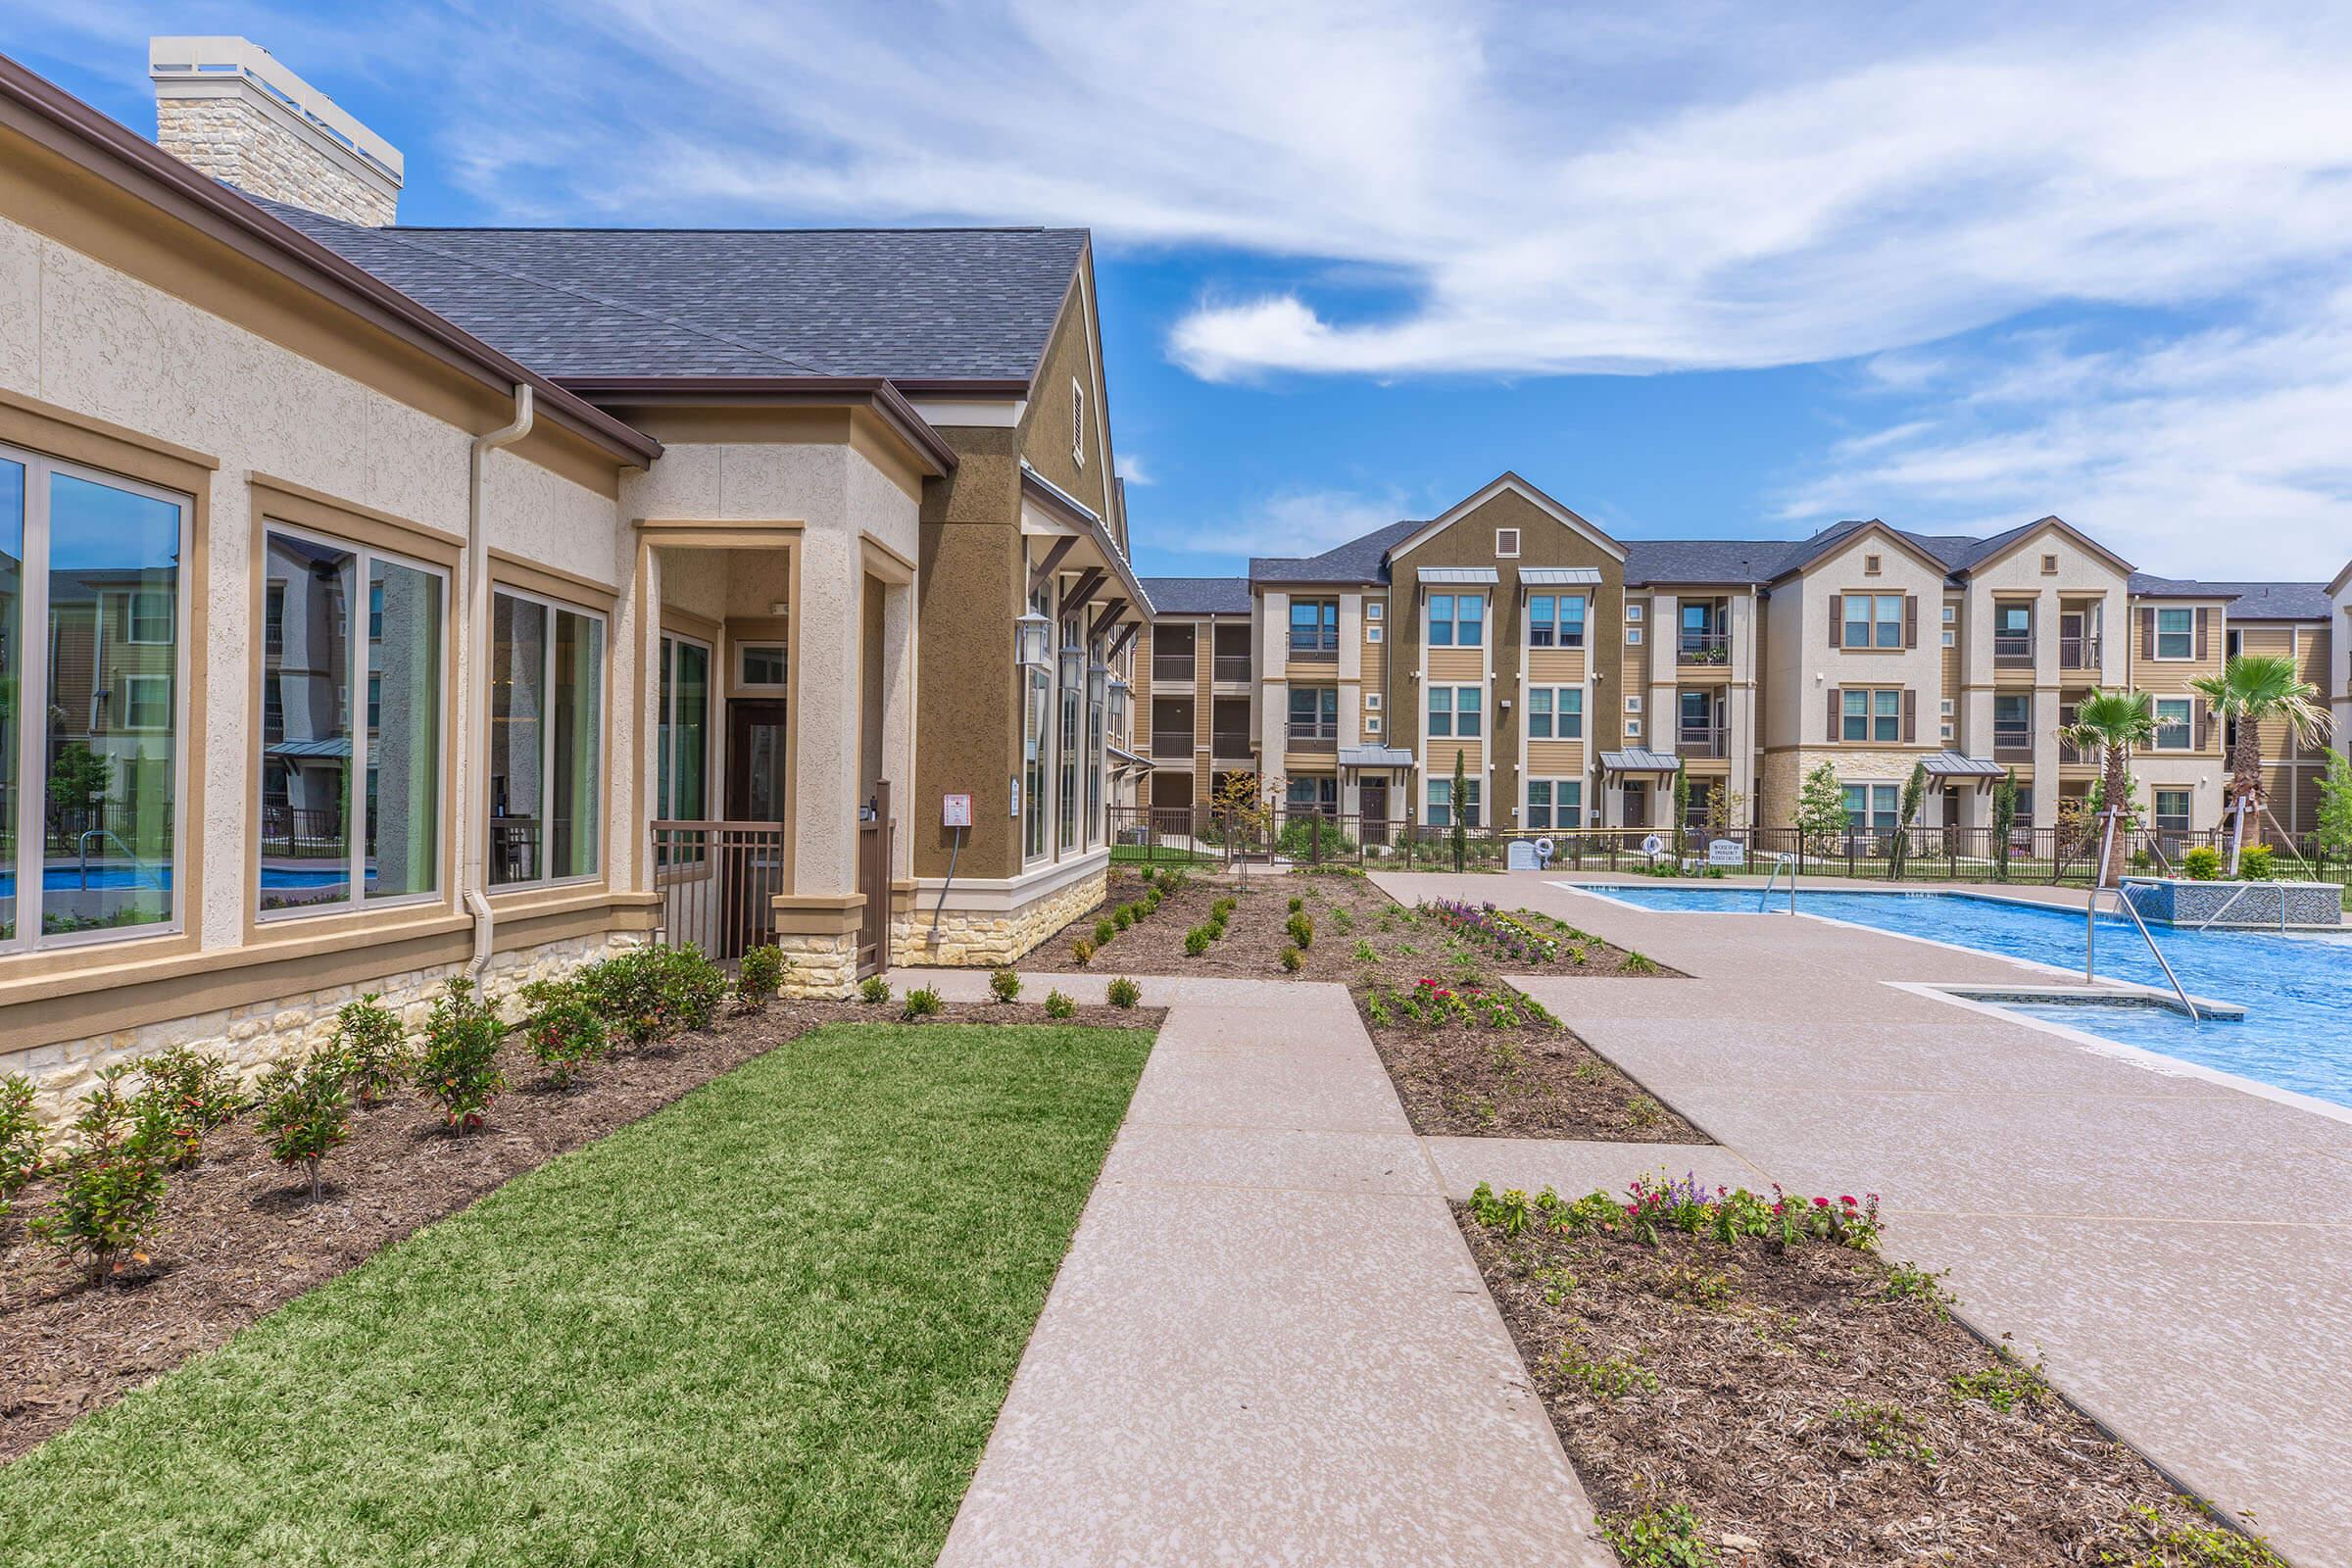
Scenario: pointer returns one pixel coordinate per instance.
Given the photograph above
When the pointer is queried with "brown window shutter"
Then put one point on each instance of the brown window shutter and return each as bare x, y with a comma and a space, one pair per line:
1910, 716
2201, 614
1910, 620
2201, 722
2148, 633
1832, 712
1836, 621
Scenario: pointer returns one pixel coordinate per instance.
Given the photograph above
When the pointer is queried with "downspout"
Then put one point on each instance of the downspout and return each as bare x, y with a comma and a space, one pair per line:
475, 801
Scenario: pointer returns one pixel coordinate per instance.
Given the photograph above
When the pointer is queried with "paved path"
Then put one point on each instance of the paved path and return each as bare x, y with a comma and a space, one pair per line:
2179, 1249
1268, 1343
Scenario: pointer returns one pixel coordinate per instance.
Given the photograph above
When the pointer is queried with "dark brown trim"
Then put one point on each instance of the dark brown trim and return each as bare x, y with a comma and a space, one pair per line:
1044, 569
877, 393
951, 387
1113, 610
1126, 635
53, 119
1091, 579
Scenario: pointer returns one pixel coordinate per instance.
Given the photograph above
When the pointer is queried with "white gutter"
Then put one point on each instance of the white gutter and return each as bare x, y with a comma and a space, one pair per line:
474, 799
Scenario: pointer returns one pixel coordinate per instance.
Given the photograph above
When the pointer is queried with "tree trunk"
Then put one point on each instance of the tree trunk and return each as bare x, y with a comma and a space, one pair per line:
314, 1178
2245, 785
2111, 835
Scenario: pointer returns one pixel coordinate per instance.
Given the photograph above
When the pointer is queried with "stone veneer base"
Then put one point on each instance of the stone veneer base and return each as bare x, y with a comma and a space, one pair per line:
258, 1035
988, 938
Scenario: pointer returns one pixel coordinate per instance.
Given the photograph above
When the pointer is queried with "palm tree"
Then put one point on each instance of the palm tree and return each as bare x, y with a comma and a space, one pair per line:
2251, 689
2114, 722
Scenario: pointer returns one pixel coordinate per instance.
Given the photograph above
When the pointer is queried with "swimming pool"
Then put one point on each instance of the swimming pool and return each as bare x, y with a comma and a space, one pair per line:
2296, 989
68, 878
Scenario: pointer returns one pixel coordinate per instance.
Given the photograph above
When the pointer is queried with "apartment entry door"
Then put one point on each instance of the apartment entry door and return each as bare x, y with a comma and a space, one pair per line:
1372, 805
756, 784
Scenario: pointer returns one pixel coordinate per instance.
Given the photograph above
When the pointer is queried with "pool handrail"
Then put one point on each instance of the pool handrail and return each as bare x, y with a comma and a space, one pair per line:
2090, 939
1779, 863
139, 866
2245, 888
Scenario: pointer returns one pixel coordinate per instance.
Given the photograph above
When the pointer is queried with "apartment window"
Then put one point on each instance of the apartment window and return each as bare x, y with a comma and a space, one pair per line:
1952, 614
91, 676
1873, 620
1303, 794
324, 845
1454, 712
1037, 708
1632, 729
2175, 633
1373, 608
1555, 620
1314, 712
2172, 811
1372, 633
1555, 712
1632, 609
1873, 714
1872, 808
1633, 703
1506, 543
1555, 803
1945, 708
760, 664
274, 619
1458, 621
1633, 636
2013, 630
547, 763
2012, 722
1950, 638
1372, 700
1372, 724
682, 740
2233, 644
1070, 662
1442, 803
2173, 723
1314, 628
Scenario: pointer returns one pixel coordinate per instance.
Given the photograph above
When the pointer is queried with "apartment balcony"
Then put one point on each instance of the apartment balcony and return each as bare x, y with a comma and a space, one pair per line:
2012, 745
1703, 743
1174, 745
1235, 747
1312, 738
1232, 666
1171, 669
2078, 654
2013, 650
1703, 649
1315, 649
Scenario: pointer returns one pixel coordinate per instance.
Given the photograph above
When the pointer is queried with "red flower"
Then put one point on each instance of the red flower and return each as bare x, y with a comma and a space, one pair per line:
1848, 1200
1821, 1202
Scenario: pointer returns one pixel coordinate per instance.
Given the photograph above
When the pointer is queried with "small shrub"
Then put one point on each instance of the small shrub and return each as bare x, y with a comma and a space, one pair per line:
1635, 964
20, 1140
922, 1003
1104, 930
184, 1095
873, 990
1060, 1006
1301, 927
2254, 862
2004, 1386
1297, 904
1004, 984
1082, 952
1122, 917
460, 1064
1658, 1538
305, 1110
374, 1046
1641, 1111
1609, 1378
1363, 951
1908, 1283
650, 994
1291, 961
2202, 864
1125, 993
114, 1185
565, 1036
1197, 941
760, 975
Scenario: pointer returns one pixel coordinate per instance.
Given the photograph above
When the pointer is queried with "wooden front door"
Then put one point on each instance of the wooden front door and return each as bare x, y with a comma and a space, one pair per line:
1372, 804
757, 782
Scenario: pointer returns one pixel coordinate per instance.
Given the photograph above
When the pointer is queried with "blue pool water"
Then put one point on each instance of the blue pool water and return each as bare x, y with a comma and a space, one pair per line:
2296, 987
68, 878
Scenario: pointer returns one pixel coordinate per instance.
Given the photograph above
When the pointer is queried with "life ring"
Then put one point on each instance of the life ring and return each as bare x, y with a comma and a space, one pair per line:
1653, 846
1544, 848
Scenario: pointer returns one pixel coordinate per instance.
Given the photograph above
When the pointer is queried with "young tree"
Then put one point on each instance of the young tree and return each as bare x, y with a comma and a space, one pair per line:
1725, 810
80, 777
2113, 722
1458, 809
2251, 689
1915, 795
1682, 809
1821, 808
2332, 837
2004, 823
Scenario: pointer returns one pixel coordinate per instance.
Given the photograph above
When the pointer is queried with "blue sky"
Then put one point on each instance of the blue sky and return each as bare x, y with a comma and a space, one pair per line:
1697, 270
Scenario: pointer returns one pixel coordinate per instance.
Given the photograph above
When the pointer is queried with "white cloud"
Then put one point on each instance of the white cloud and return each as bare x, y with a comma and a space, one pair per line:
1291, 522
2220, 454
1132, 467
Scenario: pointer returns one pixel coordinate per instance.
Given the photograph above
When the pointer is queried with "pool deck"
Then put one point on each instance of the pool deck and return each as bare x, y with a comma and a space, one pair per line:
2177, 1249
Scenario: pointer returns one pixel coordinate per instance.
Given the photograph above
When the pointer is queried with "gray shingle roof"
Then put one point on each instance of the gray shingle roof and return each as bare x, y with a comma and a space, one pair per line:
1357, 561
911, 304
1702, 560
2249, 601
1199, 596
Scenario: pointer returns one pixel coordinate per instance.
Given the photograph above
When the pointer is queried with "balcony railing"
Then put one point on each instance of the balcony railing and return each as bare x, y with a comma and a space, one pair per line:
1307, 647
2079, 653
1231, 667
1172, 667
2013, 647
1176, 744
2012, 745
1312, 738
1230, 746
1703, 741
1703, 647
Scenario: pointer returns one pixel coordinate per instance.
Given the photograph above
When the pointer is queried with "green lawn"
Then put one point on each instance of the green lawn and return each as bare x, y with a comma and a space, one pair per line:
772, 1324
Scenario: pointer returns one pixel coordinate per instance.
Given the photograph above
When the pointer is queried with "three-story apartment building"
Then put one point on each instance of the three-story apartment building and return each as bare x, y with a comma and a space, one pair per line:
1574, 675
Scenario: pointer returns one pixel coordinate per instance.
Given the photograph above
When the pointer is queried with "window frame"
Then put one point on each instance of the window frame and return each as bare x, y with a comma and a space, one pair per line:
364, 631
604, 704
1559, 631
745, 647
1431, 806
2187, 635
2187, 727
665, 703
2164, 821
130, 701
130, 621
32, 647
1561, 815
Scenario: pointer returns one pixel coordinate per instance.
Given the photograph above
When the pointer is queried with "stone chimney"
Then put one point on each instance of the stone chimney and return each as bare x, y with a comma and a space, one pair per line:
227, 107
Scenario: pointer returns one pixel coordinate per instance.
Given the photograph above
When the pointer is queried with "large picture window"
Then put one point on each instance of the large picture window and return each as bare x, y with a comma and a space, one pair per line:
683, 746
547, 694
90, 777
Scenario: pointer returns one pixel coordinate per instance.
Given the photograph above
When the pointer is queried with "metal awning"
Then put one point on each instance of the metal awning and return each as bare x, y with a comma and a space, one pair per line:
1637, 760
1559, 576
1952, 764
1127, 761
1375, 757
309, 751
1460, 575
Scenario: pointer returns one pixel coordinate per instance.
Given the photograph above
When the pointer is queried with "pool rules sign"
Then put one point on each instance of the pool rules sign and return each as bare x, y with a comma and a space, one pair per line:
956, 810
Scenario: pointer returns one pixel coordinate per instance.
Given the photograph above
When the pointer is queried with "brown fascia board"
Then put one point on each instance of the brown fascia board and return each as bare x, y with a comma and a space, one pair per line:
1081, 517
884, 396
1873, 525
2035, 526
51, 118
2336, 585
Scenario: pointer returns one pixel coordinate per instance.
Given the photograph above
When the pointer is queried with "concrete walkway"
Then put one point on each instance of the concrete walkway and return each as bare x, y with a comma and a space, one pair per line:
2179, 1249
1268, 1343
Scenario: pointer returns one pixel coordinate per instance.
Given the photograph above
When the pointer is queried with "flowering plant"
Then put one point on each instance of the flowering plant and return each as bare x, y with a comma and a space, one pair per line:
1652, 1206
1507, 934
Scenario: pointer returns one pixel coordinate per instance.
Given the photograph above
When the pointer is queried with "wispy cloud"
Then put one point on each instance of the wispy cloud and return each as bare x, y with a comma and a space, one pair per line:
1133, 469
1291, 522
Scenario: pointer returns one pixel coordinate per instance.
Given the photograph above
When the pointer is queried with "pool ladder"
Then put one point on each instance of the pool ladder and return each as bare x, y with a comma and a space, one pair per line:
2091, 938
1780, 863
139, 866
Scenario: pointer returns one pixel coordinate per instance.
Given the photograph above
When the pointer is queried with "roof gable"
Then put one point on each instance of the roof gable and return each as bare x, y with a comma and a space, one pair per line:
2001, 546
1810, 553
1507, 481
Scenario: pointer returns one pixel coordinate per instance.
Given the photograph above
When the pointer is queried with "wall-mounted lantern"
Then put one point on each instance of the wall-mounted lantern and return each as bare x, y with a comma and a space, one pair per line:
1119, 693
1032, 637
1098, 683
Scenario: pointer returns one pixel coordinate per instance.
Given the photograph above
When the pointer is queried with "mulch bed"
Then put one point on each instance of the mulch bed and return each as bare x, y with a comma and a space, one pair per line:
1528, 1081
239, 1234
1808, 1420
